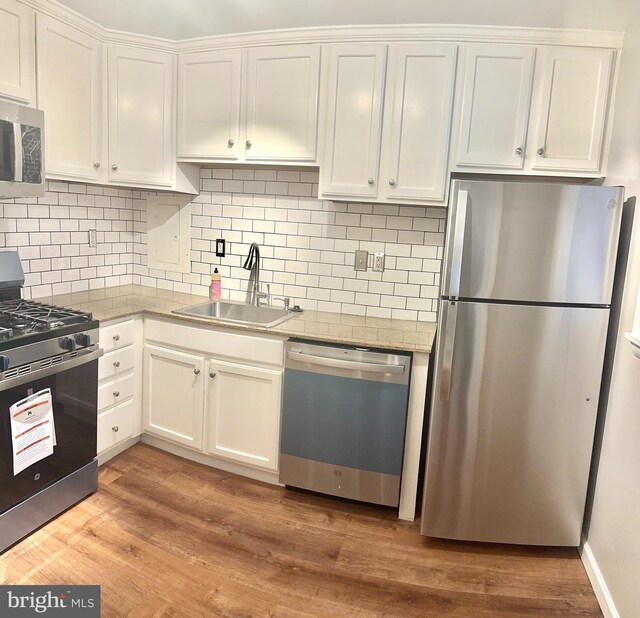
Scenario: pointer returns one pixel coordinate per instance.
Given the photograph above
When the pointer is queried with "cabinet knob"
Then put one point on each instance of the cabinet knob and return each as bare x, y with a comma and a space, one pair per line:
97, 165
392, 183
212, 374
540, 151
196, 371
114, 167
116, 364
230, 143
519, 151
115, 429
116, 393
116, 337
370, 181
248, 143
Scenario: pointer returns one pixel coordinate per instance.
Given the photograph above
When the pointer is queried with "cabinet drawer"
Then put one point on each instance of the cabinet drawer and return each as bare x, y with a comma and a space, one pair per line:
114, 363
107, 396
116, 335
115, 425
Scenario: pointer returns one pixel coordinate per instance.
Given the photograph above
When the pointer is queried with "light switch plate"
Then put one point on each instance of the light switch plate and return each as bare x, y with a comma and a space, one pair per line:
220, 247
93, 238
361, 259
378, 262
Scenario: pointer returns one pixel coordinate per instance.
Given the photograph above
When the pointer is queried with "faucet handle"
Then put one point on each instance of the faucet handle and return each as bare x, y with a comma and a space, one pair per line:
264, 295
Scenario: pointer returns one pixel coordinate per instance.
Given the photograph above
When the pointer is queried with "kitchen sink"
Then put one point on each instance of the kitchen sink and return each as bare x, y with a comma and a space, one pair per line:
240, 313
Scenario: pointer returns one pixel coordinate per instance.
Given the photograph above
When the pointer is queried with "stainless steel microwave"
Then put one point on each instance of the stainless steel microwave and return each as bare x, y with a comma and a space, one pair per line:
21, 151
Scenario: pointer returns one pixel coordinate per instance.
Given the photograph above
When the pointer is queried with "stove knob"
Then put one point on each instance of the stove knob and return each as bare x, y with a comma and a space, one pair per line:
83, 340
69, 344
4, 362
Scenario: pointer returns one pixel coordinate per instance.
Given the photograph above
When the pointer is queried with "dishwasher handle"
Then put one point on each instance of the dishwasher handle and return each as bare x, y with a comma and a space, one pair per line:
338, 363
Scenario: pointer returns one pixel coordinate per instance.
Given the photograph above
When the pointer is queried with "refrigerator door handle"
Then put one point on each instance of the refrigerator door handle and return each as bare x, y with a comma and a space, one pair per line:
449, 318
457, 244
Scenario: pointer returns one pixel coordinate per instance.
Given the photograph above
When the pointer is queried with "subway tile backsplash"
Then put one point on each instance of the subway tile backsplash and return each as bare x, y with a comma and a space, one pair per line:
307, 244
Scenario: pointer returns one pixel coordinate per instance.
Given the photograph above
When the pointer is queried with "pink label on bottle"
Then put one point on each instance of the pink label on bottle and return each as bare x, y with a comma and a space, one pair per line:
215, 291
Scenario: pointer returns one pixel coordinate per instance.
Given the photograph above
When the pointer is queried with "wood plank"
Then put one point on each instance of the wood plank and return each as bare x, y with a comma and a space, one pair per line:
169, 537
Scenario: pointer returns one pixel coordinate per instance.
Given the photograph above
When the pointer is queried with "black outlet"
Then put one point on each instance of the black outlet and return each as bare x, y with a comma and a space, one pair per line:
220, 247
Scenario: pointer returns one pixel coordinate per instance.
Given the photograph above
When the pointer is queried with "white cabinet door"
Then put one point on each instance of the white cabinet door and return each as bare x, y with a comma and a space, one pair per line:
174, 395
353, 120
495, 105
140, 116
17, 56
243, 418
209, 104
282, 103
69, 92
573, 110
417, 121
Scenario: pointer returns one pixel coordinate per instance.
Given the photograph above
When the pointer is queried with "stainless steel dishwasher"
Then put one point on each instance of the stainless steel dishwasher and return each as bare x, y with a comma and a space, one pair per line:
343, 421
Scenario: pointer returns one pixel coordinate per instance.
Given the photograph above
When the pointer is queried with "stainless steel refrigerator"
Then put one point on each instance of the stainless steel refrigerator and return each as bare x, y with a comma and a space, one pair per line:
524, 310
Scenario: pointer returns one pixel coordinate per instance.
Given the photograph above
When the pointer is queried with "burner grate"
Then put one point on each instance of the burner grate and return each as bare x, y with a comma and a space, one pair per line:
40, 316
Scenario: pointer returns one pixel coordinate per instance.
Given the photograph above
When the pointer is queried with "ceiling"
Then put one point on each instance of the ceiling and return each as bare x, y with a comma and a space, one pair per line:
182, 19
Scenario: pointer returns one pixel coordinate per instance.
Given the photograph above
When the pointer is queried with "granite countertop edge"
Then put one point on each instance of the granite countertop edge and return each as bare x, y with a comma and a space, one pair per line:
130, 301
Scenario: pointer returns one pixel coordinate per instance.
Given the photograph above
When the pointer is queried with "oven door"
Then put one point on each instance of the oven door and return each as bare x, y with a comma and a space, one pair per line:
74, 391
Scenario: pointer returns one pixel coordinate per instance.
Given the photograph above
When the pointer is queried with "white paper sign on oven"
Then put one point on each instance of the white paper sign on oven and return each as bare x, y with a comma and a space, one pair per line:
33, 432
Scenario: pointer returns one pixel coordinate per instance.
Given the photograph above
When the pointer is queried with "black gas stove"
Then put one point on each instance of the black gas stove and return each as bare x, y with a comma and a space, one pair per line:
52, 350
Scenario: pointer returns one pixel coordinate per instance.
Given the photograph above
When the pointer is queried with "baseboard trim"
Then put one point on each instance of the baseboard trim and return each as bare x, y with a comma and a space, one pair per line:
598, 582
111, 452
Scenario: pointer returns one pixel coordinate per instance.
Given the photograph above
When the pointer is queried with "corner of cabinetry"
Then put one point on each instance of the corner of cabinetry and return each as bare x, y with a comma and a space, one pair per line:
187, 178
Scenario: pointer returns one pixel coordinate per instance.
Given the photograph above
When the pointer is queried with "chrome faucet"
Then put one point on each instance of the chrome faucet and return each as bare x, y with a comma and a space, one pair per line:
253, 263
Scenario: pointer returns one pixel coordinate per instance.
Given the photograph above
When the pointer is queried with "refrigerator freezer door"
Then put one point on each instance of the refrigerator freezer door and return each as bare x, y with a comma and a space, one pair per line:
511, 430
532, 242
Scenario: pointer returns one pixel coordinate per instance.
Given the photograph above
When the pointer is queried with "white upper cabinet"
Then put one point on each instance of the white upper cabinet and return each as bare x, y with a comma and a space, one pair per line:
350, 159
243, 417
282, 103
570, 127
69, 92
255, 105
495, 106
140, 116
17, 52
209, 105
417, 121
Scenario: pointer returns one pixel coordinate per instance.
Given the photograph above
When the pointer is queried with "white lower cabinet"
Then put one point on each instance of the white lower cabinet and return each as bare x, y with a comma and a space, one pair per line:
226, 406
243, 413
174, 395
119, 386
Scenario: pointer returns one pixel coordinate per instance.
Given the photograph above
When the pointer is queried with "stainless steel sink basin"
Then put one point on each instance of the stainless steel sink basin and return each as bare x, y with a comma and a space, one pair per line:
241, 313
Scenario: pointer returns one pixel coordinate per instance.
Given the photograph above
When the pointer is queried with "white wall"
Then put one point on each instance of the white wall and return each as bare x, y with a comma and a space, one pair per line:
614, 532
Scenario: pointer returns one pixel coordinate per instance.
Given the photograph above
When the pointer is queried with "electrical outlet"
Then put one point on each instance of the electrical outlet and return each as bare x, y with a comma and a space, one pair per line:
93, 238
378, 262
361, 260
220, 247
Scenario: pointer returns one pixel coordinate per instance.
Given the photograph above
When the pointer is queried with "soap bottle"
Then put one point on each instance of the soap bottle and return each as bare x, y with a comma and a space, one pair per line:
215, 290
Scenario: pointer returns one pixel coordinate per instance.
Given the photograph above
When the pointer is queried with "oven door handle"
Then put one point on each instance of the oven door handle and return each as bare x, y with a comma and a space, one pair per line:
25, 378
337, 363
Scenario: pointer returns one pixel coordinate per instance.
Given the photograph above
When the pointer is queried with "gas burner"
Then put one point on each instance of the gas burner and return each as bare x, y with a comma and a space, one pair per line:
22, 317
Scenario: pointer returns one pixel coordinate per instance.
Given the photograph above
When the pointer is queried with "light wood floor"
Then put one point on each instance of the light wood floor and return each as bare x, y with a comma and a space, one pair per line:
167, 537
